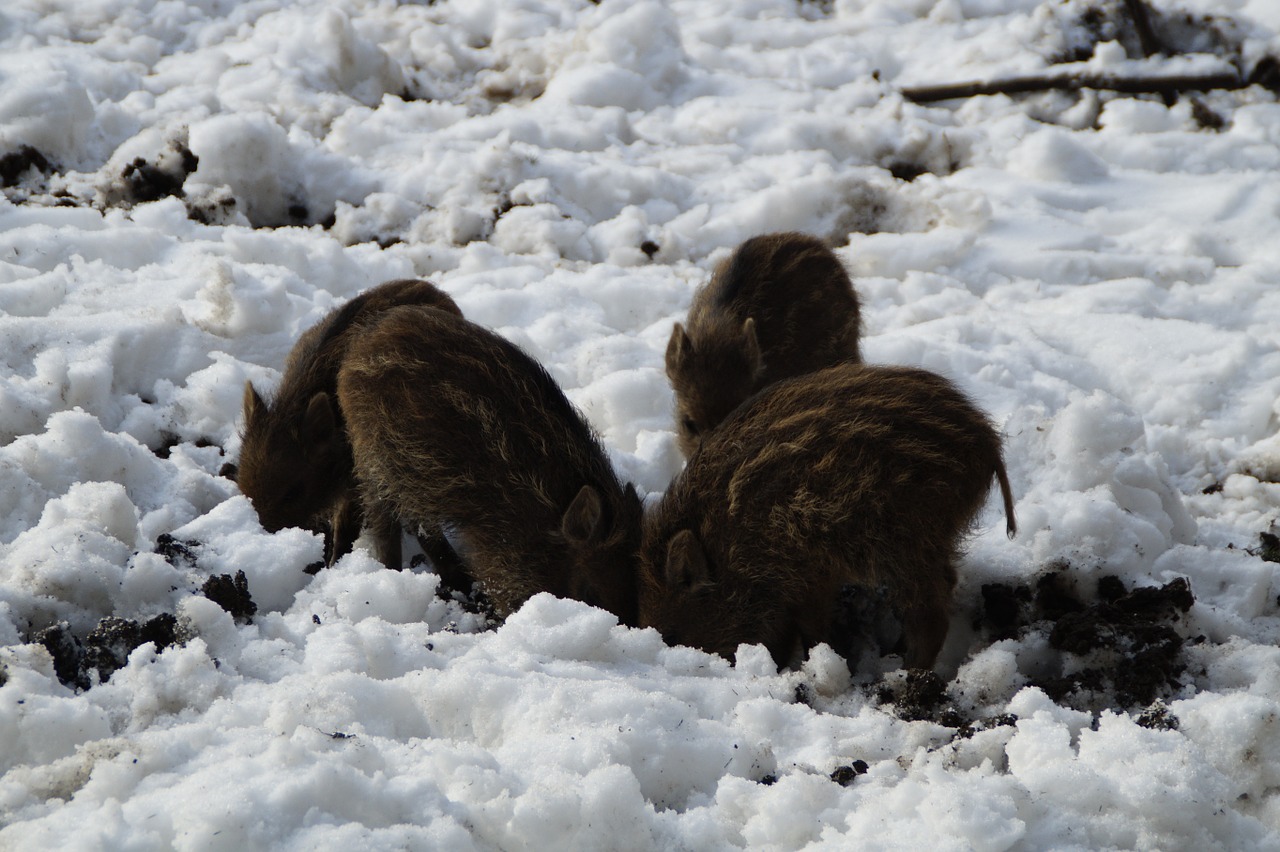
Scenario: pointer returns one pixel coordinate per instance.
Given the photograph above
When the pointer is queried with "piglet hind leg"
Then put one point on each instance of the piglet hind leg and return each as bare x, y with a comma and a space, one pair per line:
812, 627
384, 528
344, 529
925, 629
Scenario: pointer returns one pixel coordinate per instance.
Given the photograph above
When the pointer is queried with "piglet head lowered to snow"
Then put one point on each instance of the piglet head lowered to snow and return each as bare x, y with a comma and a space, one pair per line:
850, 475
452, 425
295, 460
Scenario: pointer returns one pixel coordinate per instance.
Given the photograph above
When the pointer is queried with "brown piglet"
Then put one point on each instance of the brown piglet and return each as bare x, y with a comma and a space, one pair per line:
451, 424
854, 474
295, 460
781, 305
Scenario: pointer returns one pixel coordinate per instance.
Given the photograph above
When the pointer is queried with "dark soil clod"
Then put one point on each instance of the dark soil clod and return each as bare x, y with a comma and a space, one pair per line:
1111, 588
1158, 601
162, 630
175, 551
1206, 119
232, 594
108, 646
15, 164
1137, 627
920, 696
168, 440
1266, 73
1089, 681
905, 170
67, 653
1054, 597
1121, 650
968, 729
218, 209
105, 650
1269, 547
146, 182
846, 775
1158, 717
1004, 609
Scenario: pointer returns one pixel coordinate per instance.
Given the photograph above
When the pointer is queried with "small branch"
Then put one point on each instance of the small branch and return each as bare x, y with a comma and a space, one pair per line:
1141, 17
1161, 85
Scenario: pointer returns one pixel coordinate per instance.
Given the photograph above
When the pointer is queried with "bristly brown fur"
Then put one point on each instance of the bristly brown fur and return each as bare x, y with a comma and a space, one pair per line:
451, 424
295, 461
781, 305
853, 474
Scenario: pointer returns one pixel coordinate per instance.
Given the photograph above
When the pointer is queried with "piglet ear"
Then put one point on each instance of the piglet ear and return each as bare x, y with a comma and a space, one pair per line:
630, 497
679, 347
751, 347
319, 423
583, 521
254, 407
686, 562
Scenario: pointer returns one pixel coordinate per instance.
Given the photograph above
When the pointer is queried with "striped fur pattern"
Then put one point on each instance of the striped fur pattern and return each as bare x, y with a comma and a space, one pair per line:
295, 461
452, 424
854, 474
779, 306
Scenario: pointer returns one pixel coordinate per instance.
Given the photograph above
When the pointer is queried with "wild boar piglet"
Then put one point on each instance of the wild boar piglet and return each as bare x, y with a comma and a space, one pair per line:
781, 305
453, 425
853, 474
295, 460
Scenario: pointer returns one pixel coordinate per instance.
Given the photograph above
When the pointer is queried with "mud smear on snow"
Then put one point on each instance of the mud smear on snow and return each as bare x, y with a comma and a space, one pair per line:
1122, 651
1130, 651
1144, 30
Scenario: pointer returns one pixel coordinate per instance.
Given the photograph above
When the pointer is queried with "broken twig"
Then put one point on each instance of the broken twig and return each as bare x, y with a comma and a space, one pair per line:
1141, 18
1160, 85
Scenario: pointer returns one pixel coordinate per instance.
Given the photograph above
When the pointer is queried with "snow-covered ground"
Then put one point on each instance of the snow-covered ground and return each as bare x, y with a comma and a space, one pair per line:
189, 184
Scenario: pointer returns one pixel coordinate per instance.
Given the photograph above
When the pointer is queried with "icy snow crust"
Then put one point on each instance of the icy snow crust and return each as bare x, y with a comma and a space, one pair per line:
1099, 273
